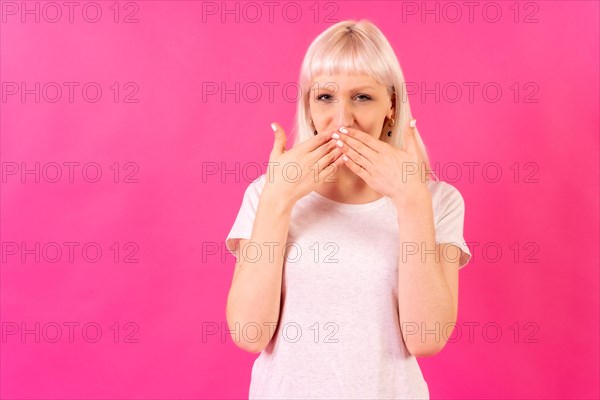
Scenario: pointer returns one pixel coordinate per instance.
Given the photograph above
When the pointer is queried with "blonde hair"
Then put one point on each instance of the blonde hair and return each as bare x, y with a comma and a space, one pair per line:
356, 47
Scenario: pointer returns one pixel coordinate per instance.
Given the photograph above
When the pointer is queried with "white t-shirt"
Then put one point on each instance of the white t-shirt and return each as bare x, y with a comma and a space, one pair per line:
338, 335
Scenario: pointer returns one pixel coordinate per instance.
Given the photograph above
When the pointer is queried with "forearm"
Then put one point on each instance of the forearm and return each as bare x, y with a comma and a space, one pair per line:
255, 294
424, 298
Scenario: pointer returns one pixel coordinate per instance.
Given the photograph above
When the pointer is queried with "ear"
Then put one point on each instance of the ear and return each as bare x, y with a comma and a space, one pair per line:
392, 111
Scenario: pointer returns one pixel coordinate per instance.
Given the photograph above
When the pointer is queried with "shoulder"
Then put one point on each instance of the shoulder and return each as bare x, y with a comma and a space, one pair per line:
444, 195
260, 181
256, 186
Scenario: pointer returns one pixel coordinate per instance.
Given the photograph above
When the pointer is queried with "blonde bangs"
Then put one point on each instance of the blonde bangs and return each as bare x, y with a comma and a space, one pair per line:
347, 52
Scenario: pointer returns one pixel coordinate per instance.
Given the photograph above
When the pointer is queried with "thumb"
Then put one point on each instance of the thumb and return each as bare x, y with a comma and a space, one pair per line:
280, 139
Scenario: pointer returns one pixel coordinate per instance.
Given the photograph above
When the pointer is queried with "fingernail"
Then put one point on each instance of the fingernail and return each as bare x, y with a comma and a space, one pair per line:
340, 143
274, 127
343, 130
335, 136
413, 123
345, 157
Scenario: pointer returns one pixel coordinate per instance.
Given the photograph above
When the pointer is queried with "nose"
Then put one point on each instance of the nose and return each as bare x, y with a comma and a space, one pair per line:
344, 115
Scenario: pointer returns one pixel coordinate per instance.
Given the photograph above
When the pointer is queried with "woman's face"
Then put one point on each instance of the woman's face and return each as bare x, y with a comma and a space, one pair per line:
355, 101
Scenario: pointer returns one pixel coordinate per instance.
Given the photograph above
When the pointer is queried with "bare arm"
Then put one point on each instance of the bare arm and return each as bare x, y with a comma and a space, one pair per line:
254, 299
255, 294
427, 299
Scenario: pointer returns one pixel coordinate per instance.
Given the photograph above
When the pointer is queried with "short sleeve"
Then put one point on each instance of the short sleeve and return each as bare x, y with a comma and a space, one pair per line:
449, 224
242, 226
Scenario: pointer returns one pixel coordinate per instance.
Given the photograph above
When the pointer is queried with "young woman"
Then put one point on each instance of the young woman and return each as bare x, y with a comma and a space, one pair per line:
347, 251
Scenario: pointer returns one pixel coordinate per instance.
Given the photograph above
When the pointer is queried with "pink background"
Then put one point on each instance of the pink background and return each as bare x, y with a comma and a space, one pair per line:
177, 215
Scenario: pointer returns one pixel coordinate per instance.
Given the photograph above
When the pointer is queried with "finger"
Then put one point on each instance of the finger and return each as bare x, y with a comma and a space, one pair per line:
338, 163
369, 142
322, 150
410, 143
329, 163
280, 139
361, 153
314, 142
357, 169
358, 158
411, 147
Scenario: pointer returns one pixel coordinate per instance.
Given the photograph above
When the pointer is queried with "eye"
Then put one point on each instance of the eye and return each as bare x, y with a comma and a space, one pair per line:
364, 96
321, 97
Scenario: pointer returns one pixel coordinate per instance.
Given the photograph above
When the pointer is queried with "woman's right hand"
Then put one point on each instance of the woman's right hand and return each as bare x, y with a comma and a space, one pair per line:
307, 165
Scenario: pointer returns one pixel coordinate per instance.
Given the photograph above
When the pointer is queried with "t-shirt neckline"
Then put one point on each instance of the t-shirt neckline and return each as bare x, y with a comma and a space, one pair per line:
347, 206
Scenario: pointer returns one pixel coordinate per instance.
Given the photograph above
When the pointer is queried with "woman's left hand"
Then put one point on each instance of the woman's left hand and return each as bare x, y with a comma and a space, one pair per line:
389, 170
